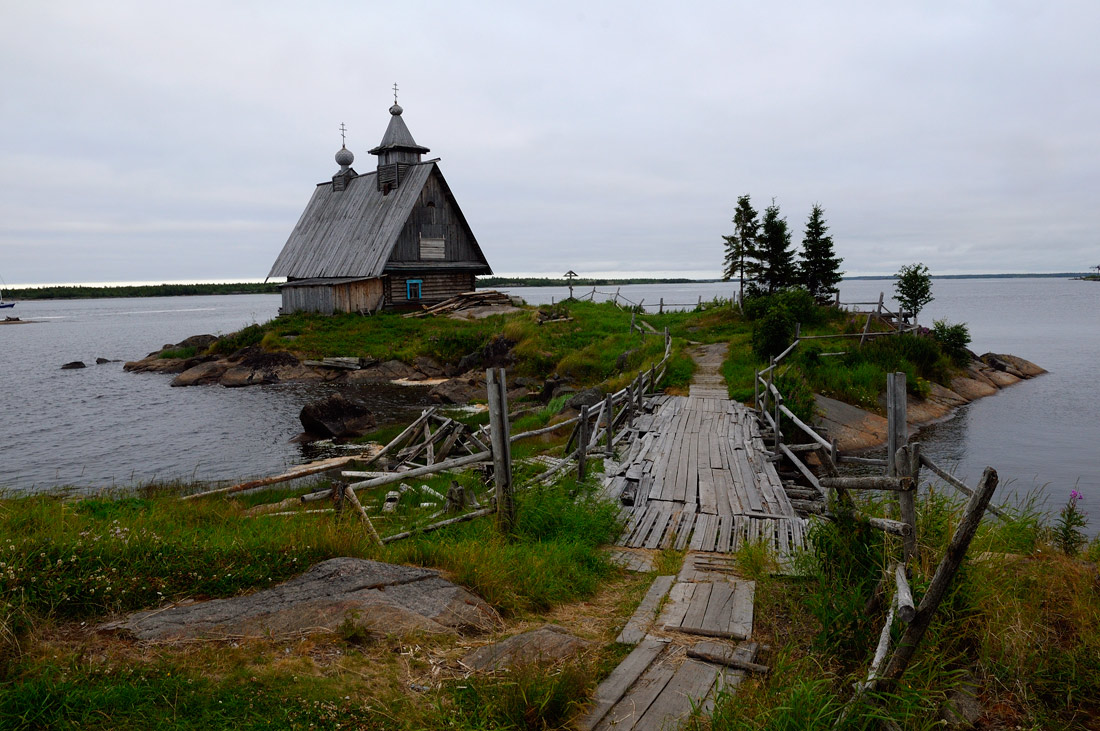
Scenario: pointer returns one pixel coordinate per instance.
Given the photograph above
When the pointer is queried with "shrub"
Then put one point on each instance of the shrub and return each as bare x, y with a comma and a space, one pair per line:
953, 340
233, 342
773, 333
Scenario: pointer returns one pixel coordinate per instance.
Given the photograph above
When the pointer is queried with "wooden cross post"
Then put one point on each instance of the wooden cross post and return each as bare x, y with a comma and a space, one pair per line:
898, 464
502, 448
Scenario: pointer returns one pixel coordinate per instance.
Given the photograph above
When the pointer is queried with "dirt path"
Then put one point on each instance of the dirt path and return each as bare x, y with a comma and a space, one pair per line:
708, 381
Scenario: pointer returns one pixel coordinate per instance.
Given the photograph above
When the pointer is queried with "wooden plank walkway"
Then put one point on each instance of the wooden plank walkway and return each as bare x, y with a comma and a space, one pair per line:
700, 479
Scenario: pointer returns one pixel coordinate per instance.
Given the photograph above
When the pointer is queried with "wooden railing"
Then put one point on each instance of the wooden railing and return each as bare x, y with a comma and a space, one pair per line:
901, 477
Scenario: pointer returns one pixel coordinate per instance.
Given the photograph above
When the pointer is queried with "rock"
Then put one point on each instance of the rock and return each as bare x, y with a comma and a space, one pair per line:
199, 342
852, 427
623, 361
74, 364
972, 388
428, 367
383, 598
497, 353
962, 709
203, 373
254, 366
101, 361
336, 416
544, 646
1025, 367
391, 370
462, 390
588, 397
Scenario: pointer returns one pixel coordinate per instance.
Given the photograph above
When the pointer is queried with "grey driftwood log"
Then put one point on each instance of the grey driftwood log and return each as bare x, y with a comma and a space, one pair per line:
382, 598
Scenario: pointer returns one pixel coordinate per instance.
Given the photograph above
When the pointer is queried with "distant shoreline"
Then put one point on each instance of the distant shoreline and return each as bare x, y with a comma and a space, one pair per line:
190, 290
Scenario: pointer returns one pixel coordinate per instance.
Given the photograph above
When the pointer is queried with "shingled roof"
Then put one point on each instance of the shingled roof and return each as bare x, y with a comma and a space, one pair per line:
350, 233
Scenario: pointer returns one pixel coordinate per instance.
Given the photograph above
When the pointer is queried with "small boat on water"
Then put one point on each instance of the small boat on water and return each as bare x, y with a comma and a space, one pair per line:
4, 304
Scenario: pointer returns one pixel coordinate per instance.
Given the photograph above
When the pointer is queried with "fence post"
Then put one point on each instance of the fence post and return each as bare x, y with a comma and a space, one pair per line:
897, 437
661, 308
502, 448
652, 378
608, 414
582, 442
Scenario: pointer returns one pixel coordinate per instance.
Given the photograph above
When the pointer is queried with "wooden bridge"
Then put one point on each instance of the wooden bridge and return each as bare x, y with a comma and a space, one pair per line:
698, 477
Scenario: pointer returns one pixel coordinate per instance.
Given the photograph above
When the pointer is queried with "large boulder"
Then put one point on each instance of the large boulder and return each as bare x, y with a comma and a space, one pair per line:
383, 599
336, 416
203, 373
391, 370
253, 366
497, 353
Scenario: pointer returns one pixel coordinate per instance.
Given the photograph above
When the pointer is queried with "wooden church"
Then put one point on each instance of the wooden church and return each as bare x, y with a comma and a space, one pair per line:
391, 238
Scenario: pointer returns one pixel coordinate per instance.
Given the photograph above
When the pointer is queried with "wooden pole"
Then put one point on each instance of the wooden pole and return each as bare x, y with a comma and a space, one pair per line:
421, 471
941, 580
661, 307
609, 422
582, 442
502, 449
906, 610
897, 437
349, 493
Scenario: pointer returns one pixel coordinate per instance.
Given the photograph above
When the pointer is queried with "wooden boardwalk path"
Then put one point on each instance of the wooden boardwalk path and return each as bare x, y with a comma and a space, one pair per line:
695, 477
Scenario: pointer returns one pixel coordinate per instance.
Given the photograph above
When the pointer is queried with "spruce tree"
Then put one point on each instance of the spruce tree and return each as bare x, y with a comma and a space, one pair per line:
819, 270
776, 258
741, 250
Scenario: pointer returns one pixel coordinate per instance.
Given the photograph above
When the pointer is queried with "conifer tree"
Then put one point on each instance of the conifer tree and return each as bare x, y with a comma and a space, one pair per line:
741, 246
776, 258
819, 270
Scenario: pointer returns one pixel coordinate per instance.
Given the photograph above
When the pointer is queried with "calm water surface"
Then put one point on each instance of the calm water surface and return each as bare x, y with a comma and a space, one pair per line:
100, 426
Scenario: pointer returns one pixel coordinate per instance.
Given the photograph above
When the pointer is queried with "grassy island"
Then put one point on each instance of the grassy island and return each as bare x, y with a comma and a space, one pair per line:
1020, 628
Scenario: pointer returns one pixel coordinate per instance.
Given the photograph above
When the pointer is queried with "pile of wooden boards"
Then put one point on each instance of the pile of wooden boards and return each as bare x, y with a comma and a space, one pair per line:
466, 301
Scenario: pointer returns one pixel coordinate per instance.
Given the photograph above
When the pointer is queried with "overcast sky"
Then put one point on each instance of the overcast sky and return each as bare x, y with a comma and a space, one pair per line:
181, 141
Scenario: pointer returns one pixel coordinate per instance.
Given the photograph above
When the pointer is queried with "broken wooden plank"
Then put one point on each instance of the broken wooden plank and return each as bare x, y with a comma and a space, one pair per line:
640, 622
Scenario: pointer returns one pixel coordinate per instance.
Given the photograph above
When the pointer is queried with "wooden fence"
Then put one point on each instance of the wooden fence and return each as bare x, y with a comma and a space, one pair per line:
901, 477
616, 297
432, 444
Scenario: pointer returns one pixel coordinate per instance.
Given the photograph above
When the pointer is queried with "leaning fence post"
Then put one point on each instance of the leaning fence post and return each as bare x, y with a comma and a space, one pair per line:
897, 436
609, 414
582, 442
502, 448
941, 580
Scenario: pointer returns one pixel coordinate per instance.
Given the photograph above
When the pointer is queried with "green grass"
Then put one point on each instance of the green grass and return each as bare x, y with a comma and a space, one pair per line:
188, 352
1024, 622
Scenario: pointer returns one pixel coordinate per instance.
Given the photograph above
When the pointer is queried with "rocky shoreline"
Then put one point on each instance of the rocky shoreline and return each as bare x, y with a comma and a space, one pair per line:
857, 429
460, 383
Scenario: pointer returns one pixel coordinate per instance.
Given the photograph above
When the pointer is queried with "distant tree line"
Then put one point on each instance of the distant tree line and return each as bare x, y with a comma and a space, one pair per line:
577, 282
141, 290
761, 252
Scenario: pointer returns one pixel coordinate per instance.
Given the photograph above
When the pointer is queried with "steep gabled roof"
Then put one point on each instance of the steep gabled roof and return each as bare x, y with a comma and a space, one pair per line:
350, 233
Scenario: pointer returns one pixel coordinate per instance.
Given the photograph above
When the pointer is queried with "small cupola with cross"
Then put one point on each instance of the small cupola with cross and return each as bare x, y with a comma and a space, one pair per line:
397, 150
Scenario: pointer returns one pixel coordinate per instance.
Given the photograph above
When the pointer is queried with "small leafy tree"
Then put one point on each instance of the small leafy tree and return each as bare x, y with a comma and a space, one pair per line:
913, 288
777, 269
741, 246
819, 270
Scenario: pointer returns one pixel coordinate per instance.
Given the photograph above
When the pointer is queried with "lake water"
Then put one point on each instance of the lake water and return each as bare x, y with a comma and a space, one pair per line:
100, 426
